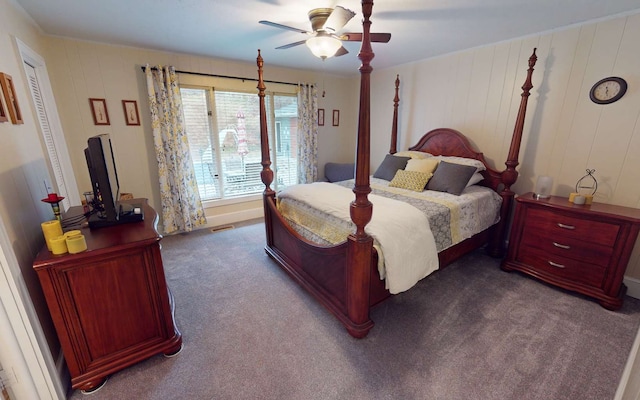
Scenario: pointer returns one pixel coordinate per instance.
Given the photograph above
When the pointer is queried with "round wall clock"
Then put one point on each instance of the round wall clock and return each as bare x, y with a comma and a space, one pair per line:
608, 90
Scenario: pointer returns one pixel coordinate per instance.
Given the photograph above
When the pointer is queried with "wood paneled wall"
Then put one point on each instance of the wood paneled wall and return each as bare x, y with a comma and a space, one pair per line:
478, 92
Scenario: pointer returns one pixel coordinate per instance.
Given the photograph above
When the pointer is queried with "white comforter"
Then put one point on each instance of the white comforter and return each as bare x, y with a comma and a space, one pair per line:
405, 241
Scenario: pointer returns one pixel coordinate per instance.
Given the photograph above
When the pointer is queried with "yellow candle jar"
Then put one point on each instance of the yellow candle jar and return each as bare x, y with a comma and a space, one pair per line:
58, 245
76, 243
51, 230
572, 196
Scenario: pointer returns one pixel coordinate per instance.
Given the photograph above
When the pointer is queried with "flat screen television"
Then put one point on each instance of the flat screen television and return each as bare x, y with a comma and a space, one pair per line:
107, 209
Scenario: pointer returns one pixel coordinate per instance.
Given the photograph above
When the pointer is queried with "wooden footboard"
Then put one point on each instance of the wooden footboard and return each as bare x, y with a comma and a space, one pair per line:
321, 270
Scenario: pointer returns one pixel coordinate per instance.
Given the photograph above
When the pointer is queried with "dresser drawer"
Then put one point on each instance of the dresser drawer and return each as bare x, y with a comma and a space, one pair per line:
559, 225
573, 270
568, 247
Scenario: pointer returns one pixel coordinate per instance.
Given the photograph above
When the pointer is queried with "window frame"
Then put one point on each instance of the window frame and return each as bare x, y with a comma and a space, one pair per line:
211, 84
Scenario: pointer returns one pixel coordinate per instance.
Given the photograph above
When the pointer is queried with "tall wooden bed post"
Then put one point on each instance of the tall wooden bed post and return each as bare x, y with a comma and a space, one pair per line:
266, 175
394, 126
496, 247
360, 244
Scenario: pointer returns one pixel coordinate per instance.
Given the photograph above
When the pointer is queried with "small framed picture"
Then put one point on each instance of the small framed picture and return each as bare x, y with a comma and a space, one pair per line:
99, 111
131, 115
320, 116
10, 99
336, 117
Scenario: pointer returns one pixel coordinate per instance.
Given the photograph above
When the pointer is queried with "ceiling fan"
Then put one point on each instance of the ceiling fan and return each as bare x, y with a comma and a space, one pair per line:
324, 42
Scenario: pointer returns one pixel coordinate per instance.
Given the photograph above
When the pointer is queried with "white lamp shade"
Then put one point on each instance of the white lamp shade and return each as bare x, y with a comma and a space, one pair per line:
323, 46
543, 187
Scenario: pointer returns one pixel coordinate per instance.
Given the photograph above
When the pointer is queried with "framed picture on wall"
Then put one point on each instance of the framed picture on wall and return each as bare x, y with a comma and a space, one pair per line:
99, 111
10, 99
3, 110
131, 115
320, 116
336, 117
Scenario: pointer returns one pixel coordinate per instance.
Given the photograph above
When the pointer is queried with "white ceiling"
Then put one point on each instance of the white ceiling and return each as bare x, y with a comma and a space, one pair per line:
229, 29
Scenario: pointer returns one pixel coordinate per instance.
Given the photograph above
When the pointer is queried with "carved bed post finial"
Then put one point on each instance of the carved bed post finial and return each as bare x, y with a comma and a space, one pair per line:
510, 175
394, 125
266, 174
360, 244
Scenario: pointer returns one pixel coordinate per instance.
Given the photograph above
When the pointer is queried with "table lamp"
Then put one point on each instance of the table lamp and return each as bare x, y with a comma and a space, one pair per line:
543, 187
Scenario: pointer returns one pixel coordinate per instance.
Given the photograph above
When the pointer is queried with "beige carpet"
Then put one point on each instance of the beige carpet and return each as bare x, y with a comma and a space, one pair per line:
470, 331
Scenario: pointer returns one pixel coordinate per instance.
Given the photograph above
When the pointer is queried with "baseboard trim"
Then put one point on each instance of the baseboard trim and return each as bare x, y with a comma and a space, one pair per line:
629, 386
63, 372
633, 287
233, 217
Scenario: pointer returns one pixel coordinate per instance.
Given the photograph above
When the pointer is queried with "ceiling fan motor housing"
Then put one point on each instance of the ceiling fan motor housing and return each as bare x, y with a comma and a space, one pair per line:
318, 16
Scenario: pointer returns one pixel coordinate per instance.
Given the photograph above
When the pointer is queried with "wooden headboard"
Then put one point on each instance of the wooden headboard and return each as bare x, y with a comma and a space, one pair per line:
450, 142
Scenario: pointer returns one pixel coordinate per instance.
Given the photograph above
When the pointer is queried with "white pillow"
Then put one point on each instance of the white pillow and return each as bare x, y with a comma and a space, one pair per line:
413, 154
464, 161
475, 178
425, 165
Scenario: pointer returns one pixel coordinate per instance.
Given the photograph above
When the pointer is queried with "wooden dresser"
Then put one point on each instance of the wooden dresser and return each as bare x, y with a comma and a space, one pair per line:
110, 304
583, 248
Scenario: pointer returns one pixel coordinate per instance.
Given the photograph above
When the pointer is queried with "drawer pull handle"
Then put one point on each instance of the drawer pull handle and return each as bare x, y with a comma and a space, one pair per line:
556, 264
562, 246
563, 226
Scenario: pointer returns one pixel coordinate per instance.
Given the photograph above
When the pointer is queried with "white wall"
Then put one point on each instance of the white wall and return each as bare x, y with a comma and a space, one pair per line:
478, 93
23, 171
81, 70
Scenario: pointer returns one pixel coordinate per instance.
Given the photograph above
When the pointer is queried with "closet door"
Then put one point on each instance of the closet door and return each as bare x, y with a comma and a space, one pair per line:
45, 127
50, 127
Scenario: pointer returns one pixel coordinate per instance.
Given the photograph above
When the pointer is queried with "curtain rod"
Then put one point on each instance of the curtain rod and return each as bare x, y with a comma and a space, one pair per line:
222, 76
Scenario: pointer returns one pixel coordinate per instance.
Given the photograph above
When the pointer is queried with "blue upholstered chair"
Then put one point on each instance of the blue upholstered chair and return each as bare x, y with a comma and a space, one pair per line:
335, 172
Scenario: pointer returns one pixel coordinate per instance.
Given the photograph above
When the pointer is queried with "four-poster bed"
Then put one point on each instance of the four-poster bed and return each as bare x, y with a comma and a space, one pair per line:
345, 277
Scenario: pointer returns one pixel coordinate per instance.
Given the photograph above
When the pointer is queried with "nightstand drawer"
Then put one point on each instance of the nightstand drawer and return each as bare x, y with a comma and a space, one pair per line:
566, 246
558, 225
558, 266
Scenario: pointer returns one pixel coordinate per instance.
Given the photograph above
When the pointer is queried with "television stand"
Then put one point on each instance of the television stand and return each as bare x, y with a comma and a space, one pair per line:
127, 213
110, 305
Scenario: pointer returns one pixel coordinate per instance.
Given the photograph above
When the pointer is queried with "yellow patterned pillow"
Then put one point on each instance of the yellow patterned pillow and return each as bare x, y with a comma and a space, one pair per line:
426, 165
413, 154
412, 180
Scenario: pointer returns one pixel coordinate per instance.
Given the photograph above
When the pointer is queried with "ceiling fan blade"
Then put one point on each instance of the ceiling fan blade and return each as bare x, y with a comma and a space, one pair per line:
338, 19
374, 37
341, 51
286, 46
289, 28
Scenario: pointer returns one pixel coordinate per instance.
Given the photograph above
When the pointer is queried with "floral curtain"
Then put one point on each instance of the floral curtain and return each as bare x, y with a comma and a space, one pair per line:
181, 206
307, 133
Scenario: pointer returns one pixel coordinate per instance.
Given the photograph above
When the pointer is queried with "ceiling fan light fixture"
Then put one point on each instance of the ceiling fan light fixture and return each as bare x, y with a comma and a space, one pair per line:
323, 46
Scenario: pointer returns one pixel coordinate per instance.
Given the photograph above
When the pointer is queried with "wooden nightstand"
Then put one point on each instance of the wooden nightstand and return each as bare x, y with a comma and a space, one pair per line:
583, 248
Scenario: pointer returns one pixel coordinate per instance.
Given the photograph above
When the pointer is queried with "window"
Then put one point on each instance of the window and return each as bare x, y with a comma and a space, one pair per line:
223, 127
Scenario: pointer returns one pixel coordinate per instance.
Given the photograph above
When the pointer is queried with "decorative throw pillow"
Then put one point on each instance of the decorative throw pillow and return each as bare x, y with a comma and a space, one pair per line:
389, 166
451, 178
426, 165
464, 161
412, 180
413, 154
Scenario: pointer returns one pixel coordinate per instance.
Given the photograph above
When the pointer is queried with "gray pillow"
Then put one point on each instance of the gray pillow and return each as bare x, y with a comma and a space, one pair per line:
451, 178
390, 164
